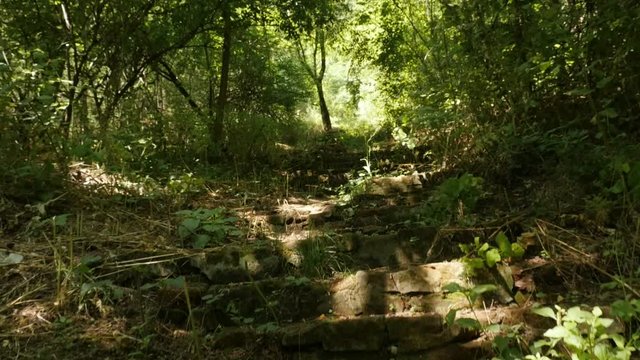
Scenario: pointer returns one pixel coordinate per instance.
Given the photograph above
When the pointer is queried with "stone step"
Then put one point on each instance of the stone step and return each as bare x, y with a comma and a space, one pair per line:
423, 336
418, 290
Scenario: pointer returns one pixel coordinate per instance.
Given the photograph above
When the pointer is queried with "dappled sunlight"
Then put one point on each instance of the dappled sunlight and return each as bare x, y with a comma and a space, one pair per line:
328, 179
95, 177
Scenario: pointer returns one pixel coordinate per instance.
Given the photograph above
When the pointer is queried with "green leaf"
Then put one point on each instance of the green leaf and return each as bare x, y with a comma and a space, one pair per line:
517, 251
475, 263
210, 228
545, 311
579, 92
501, 343
177, 283
557, 332
603, 82
506, 274
492, 257
451, 316
596, 311
183, 232
148, 286
467, 323
520, 298
117, 292
574, 340
577, 315
235, 232
190, 224
617, 188
86, 288
453, 288
503, 244
483, 288
623, 167
90, 260
618, 340
605, 322
60, 220
495, 328
201, 241
609, 113
623, 309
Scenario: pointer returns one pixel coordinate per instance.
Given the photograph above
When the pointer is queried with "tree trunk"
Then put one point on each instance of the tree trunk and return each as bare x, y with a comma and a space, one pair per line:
324, 110
216, 134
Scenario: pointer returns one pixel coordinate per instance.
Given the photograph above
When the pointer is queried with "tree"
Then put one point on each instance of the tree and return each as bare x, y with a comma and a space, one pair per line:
216, 130
307, 27
108, 47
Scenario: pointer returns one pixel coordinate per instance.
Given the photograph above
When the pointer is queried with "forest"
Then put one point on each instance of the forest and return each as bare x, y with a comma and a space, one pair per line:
319, 179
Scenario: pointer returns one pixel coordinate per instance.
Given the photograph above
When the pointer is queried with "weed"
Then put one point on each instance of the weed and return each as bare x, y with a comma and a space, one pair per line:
185, 183
580, 334
451, 200
62, 261
206, 226
320, 257
484, 255
101, 294
298, 281
357, 185
472, 295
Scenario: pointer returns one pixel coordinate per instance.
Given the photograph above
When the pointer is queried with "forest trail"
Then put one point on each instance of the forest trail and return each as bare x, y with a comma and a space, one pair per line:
314, 273
370, 281
329, 179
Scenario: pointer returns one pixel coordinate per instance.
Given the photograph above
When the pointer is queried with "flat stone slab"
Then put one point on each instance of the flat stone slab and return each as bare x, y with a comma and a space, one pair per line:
378, 291
394, 184
372, 333
232, 264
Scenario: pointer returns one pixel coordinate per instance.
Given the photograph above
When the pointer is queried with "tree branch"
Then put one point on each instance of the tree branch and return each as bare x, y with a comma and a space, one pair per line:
170, 75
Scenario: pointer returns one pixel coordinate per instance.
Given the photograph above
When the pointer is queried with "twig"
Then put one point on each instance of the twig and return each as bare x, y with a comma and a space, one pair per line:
583, 254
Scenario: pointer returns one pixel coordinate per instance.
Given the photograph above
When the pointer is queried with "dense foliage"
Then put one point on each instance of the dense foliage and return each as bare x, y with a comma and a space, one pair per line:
535, 101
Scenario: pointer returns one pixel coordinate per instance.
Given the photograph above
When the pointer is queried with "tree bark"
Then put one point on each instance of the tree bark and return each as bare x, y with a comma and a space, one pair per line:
170, 75
324, 110
217, 129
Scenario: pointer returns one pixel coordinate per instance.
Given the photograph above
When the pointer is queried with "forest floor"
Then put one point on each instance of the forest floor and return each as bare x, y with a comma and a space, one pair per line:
319, 260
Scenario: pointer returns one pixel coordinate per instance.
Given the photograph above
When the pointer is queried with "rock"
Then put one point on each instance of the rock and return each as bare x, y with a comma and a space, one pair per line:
361, 334
378, 334
394, 184
290, 301
234, 337
466, 351
255, 266
395, 249
430, 278
400, 327
411, 334
380, 292
231, 264
303, 334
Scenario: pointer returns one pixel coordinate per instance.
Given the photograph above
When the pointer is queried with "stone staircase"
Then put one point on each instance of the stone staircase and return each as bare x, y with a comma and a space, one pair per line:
388, 303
